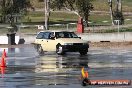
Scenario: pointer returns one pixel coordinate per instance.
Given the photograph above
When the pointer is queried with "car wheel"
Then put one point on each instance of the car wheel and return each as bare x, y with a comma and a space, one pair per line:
35, 46
83, 52
59, 50
40, 49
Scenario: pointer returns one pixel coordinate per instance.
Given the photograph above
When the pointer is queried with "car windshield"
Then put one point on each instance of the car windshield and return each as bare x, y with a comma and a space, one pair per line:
65, 35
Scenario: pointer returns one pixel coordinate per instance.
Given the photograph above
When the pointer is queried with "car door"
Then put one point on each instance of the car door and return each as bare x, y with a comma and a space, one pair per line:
48, 43
42, 38
51, 42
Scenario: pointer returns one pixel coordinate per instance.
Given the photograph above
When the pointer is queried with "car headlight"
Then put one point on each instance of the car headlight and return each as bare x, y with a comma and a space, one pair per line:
68, 44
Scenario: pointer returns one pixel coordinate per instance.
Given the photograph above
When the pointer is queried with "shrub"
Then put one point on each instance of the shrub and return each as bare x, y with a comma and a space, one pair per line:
117, 15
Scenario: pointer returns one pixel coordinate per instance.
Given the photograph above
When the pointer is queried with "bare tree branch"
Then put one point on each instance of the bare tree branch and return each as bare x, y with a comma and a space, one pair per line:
75, 12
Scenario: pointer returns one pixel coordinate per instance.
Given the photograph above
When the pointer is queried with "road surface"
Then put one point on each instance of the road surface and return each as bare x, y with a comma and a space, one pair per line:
26, 69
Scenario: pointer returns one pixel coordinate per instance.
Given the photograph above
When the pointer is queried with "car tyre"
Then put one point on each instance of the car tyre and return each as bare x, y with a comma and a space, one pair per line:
40, 50
36, 47
83, 52
59, 50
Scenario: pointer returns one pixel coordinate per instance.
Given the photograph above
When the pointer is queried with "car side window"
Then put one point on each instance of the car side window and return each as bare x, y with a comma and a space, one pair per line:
59, 35
67, 35
51, 35
44, 35
40, 35
74, 35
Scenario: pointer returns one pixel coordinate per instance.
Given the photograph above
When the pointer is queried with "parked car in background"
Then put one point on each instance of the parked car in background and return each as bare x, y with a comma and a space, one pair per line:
61, 42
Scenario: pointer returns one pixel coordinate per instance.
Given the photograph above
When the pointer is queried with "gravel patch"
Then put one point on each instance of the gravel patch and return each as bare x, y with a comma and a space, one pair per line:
111, 44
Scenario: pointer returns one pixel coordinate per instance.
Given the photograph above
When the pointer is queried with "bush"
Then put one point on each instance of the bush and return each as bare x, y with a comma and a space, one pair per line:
117, 15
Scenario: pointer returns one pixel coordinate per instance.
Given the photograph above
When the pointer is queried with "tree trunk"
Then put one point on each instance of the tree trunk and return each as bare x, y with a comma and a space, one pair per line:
86, 20
119, 6
47, 14
111, 14
3, 12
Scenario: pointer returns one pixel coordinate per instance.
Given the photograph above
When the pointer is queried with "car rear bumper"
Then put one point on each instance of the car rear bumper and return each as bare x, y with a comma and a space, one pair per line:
75, 48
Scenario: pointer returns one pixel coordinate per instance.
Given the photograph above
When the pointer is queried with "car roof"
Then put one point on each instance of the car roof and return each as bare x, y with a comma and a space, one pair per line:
56, 31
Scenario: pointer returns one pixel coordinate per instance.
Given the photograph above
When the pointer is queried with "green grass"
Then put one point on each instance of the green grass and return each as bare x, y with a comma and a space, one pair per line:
98, 19
35, 30
3, 31
60, 17
64, 17
128, 22
36, 14
101, 5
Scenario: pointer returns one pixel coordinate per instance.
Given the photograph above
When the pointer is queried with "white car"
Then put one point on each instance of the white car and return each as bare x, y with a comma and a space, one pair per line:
61, 42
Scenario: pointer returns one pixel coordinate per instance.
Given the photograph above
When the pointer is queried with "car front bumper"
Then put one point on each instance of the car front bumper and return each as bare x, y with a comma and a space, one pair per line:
75, 48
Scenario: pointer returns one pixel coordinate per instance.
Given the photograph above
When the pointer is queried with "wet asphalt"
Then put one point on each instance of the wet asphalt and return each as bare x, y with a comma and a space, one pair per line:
27, 69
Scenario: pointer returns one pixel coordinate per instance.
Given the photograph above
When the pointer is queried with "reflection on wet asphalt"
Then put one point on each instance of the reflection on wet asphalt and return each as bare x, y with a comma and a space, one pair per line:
26, 69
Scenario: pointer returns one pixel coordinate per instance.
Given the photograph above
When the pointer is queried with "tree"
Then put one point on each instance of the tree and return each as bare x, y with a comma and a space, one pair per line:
116, 14
111, 12
80, 7
10, 7
84, 7
3, 9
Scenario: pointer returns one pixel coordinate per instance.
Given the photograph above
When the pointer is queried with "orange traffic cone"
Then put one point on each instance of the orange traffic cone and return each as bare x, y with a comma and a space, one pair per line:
3, 64
2, 71
4, 55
